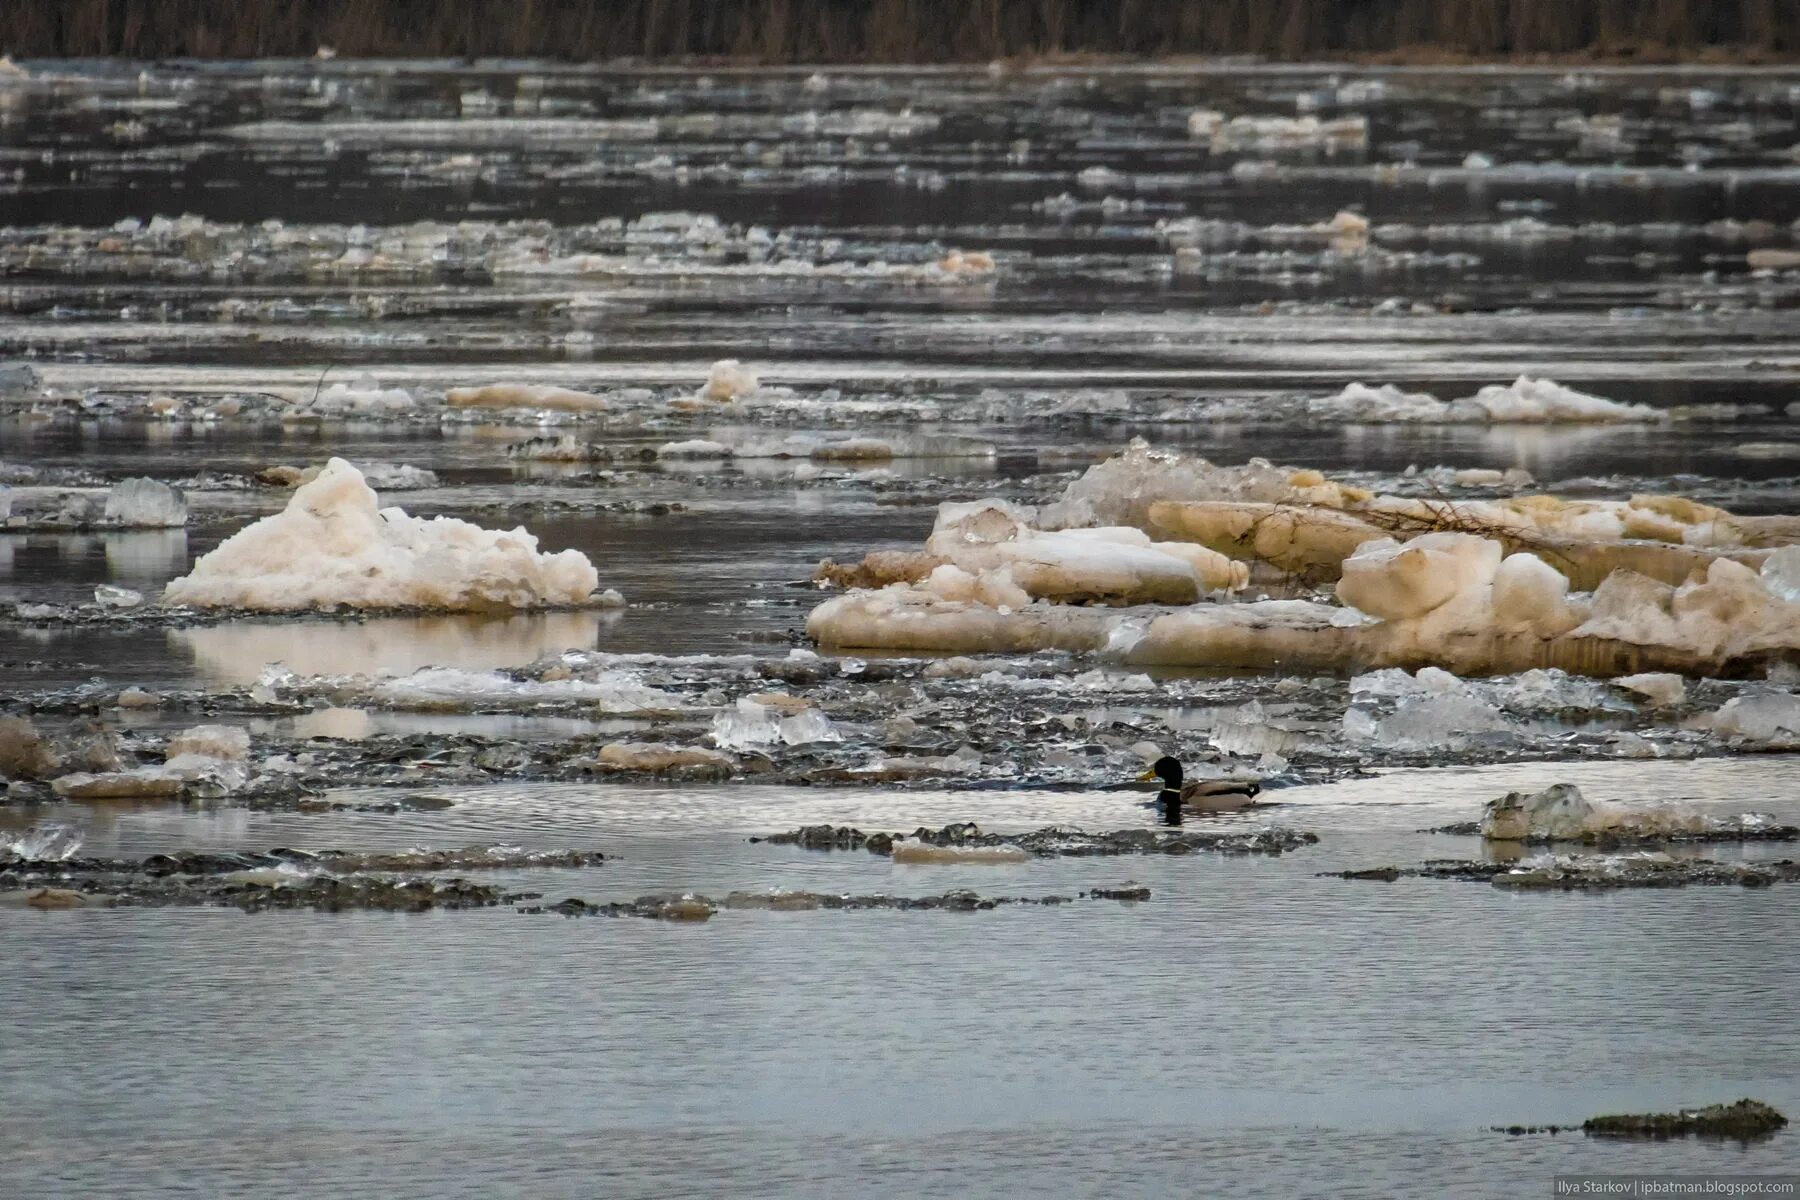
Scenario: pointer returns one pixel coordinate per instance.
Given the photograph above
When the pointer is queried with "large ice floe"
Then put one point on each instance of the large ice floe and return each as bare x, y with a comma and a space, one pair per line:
335, 546
1560, 813
1121, 562
1525, 401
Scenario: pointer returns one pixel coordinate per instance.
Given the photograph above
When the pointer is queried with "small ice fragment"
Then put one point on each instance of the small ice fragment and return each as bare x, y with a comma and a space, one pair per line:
108, 596
145, 504
1659, 687
46, 842
227, 742
1781, 573
810, 725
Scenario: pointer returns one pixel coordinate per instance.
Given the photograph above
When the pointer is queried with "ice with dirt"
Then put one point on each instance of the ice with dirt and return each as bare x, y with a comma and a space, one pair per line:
335, 546
1562, 813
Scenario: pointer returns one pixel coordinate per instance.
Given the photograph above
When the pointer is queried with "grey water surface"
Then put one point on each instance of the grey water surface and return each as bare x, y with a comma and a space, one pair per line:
1252, 1029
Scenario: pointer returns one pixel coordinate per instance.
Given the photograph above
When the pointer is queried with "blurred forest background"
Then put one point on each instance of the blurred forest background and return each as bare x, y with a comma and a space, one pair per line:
904, 30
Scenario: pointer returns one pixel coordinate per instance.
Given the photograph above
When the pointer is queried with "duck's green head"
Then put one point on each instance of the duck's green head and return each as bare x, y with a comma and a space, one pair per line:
1166, 769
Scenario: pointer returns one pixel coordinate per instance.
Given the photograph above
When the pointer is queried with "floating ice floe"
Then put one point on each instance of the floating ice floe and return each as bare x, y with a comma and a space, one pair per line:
363, 398
129, 504
1525, 401
1767, 718
1479, 588
1562, 814
207, 760
1269, 134
334, 546
442, 689
728, 380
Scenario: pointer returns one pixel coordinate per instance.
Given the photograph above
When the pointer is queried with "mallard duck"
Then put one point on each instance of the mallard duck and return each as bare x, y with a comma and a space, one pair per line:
1200, 795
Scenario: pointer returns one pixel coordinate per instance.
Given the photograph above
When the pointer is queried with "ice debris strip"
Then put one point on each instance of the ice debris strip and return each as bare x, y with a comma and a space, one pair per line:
1123, 563
335, 546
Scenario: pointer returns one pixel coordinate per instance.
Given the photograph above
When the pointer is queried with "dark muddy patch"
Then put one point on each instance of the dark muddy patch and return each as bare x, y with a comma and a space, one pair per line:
694, 907
1052, 842
1579, 872
1744, 1120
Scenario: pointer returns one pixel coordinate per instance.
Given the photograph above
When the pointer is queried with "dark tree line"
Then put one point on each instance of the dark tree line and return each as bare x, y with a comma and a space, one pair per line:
894, 30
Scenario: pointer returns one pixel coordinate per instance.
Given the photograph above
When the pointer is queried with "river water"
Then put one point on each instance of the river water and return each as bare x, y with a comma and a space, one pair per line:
1253, 1028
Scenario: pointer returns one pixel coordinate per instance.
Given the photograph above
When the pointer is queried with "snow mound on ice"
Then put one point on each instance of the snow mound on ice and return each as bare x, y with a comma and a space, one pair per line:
363, 398
727, 381
333, 545
1524, 401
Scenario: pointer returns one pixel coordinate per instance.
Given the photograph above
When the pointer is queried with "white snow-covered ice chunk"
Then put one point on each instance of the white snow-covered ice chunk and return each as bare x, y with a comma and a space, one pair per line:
1121, 490
145, 504
613, 692
363, 398
728, 380
333, 545
1545, 402
1395, 581
1781, 574
1772, 717
1531, 596
524, 395
1525, 401
1385, 405
1726, 612
226, 742
1659, 687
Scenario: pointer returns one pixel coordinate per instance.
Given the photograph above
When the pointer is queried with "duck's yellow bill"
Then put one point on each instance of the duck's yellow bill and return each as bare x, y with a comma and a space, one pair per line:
1147, 776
